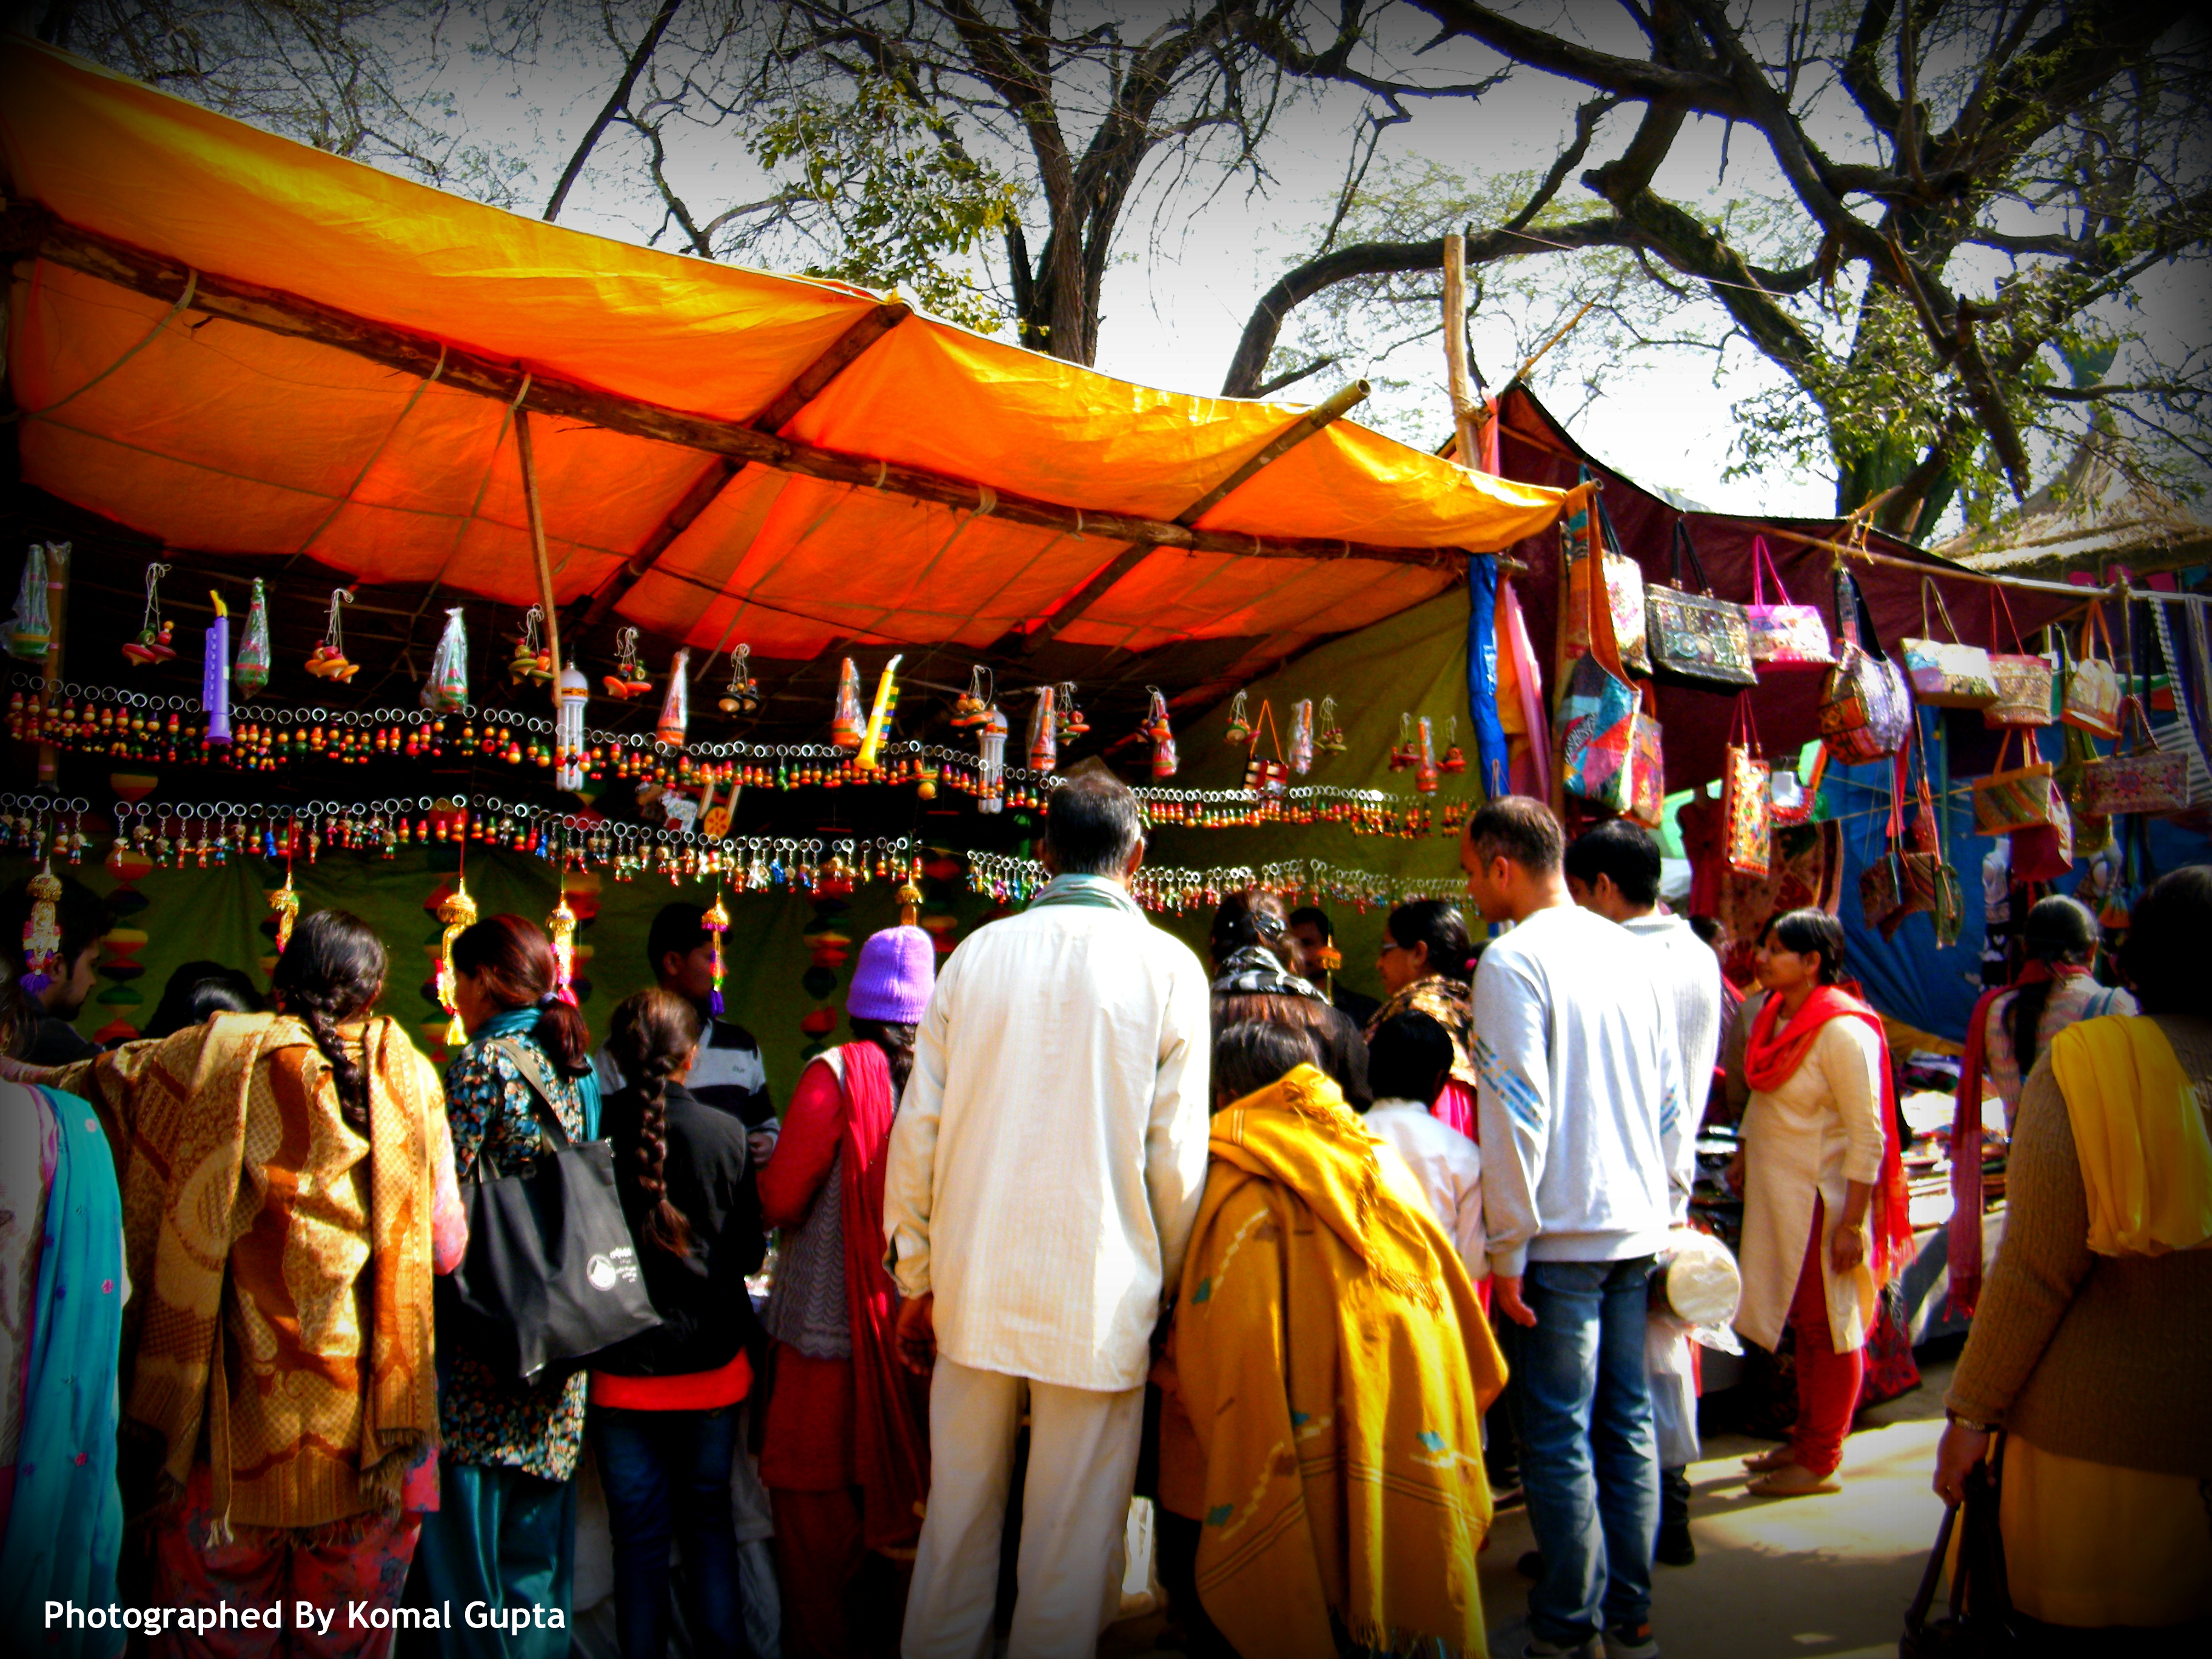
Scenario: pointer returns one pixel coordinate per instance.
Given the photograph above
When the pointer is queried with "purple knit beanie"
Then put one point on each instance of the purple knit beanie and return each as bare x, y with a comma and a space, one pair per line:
892, 983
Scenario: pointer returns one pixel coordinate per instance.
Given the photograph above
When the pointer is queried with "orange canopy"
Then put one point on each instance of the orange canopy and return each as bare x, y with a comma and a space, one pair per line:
263, 427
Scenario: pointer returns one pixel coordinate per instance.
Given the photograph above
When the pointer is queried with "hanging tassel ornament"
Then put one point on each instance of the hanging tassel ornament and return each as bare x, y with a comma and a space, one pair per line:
1162, 734
327, 661
743, 696
1044, 731
676, 707
215, 674
448, 688
716, 921
571, 696
251, 672
152, 644
845, 728
1302, 736
561, 928
1240, 721
630, 678
30, 631
458, 913
42, 933
871, 758
285, 902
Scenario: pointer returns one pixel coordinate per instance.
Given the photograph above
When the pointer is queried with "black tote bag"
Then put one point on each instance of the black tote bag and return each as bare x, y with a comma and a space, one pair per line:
551, 1274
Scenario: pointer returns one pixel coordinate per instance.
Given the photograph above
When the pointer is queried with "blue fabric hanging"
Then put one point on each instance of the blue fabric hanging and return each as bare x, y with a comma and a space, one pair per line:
1490, 752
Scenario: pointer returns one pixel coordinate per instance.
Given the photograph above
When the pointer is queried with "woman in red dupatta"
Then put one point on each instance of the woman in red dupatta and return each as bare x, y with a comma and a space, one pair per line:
846, 1450
1825, 1222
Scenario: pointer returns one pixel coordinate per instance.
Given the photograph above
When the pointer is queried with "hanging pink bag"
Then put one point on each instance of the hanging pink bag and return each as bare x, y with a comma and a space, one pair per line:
1783, 634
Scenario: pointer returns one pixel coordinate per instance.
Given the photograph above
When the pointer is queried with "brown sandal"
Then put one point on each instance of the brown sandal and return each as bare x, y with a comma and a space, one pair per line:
1794, 1481
1779, 1457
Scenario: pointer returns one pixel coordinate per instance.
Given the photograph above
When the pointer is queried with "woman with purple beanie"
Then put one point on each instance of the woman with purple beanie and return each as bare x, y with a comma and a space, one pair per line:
845, 1451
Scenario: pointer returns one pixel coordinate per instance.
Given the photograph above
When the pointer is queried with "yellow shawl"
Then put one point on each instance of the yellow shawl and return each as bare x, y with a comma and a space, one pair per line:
2139, 1132
1335, 1365
250, 1227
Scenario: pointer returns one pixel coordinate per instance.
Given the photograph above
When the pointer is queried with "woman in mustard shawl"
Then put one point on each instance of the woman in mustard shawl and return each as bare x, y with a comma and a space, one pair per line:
1331, 1365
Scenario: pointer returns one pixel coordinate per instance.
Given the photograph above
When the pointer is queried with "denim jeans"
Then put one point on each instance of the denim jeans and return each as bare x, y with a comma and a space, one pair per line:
667, 1475
1589, 1457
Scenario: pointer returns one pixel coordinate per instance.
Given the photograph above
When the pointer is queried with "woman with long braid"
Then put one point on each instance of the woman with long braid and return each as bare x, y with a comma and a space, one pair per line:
288, 1191
505, 1531
664, 1411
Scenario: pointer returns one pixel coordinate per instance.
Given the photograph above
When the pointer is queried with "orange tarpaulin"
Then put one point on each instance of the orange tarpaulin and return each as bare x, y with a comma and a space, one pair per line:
217, 434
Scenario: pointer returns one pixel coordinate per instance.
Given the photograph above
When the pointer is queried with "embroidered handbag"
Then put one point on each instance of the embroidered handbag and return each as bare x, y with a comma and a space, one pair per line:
1746, 803
1946, 673
2092, 685
1624, 589
2024, 682
2025, 796
1865, 711
2093, 836
1930, 883
2045, 852
1783, 634
1647, 803
1795, 800
1697, 641
1599, 715
2146, 779
1881, 884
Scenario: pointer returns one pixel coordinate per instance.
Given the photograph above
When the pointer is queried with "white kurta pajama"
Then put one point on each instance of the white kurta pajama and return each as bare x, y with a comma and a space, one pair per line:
1821, 1129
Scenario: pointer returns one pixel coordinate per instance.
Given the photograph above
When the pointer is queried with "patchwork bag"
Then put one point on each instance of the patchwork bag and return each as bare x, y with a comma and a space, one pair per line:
1947, 673
2092, 684
1783, 634
1647, 802
2025, 681
1697, 641
1601, 714
2146, 779
1865, 711
2024, 796
1747, 798
1624, 592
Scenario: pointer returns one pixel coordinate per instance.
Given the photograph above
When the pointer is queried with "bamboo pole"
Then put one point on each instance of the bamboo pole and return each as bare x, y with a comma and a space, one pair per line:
538, 551
1456, 379
1561, 333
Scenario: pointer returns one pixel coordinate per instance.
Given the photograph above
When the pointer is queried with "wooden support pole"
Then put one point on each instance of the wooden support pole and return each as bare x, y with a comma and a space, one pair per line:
28, 229
1457, 382
538, 551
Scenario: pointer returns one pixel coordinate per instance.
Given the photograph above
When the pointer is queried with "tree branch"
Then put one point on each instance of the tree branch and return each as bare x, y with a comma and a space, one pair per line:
613, 107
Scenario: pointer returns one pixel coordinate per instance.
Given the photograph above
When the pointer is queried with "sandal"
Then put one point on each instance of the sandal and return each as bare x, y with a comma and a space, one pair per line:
1795, 1481
1778, 1457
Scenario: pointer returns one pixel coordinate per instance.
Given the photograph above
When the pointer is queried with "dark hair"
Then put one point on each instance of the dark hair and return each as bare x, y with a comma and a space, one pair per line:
651, 1035
1312, 916
1519, 828
678, 928
81, 914
18, 1020
1410, 1058
1623, 852
897, 1044
1252, 1054
1092, 825
2058, 930
198, 990
512, 960
2163, 955
1809, 933
1342, 1046
329, 973
1251, 917
1708, 929
1438, 924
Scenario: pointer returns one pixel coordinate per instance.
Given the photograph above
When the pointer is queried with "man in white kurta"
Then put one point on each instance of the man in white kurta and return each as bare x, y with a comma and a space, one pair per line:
1045, 1171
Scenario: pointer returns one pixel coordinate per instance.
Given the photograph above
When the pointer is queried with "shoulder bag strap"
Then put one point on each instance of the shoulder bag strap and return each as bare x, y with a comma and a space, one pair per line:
1605, 643
1916, 1616
1686, 551
1848, 606
537, 1078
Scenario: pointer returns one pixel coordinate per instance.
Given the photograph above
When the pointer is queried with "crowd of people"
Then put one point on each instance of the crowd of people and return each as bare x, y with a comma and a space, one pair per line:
1075, 1218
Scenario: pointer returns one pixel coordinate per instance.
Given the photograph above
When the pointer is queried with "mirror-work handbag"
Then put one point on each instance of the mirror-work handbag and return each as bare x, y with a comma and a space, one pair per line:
1608, 734
1783, 634
1624, 590
1746, 802
1795, 800
1697, 641
2092, 684
2146, 779
1865, 711
1947, 673
2025, 681
2022, 797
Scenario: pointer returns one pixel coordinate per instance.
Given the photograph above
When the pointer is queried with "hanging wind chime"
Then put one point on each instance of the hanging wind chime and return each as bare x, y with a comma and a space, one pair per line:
571, 696
532, 660
743, 695
152, 644
327, 661
630, 678
1329, 740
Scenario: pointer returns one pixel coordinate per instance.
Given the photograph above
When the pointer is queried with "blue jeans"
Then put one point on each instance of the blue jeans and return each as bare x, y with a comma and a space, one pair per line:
1589, 1459
667, 1475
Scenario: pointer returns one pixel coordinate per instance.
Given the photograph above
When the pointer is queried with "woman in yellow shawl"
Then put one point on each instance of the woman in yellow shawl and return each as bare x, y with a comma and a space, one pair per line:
2092, 1348
1331, 1365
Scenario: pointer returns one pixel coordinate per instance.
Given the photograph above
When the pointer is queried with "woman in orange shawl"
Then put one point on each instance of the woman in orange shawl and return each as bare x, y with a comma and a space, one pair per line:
1825, 1221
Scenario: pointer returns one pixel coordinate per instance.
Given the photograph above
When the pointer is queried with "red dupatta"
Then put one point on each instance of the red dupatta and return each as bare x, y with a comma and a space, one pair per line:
1771, 1058
890, 1437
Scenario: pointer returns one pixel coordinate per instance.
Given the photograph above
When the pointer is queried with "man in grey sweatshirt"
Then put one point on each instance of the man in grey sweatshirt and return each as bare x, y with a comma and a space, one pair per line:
1587, 1145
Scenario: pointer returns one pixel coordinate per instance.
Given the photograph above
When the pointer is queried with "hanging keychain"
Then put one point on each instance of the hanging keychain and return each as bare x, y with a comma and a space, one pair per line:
152, 644
251, 672
743, 695
1302, 736
327, 661
675, 706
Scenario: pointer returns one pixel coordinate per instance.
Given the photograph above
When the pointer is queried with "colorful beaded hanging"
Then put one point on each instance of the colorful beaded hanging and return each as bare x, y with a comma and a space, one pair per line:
328, 661
152, 644
716, 921
42, 933
630, 678
458, 913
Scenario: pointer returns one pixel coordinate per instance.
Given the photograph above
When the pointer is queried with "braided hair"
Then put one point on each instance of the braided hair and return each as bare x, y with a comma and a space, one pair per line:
651, 1034
331, 973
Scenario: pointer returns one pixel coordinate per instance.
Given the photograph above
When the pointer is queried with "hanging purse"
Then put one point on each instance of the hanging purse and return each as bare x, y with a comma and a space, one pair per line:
1865, 711
1697, 641
1747, 800
2044, 853
2093, 687
1795, 800
1624, 590
2093, 836
1647, 802
1981, 1623
2146, 779
1930, 883
1881, 884
1946, 673
2024, 796
1600, 713
2025, 681
1783, 634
